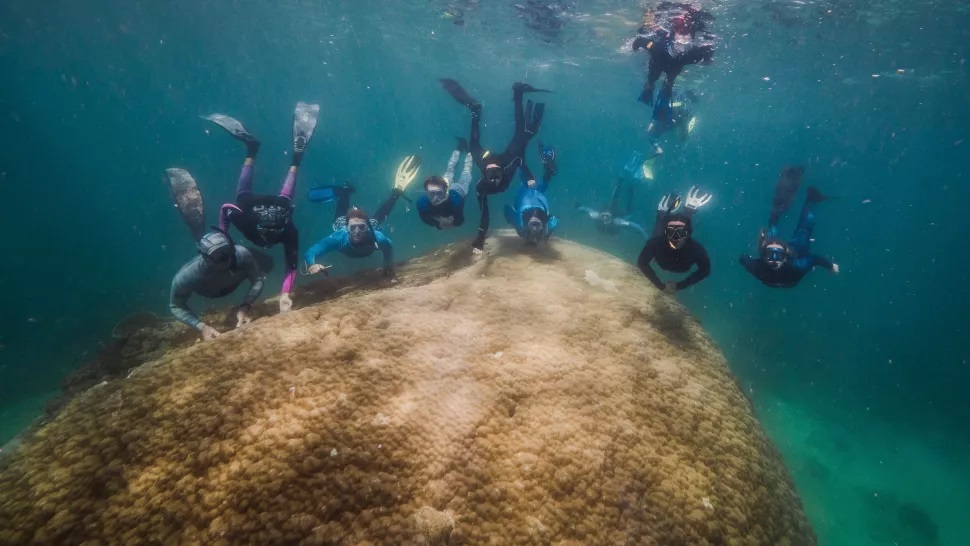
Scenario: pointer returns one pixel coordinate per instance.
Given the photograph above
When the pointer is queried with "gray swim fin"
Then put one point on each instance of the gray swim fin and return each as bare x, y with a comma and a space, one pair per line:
232, 126
188, 199
304, 122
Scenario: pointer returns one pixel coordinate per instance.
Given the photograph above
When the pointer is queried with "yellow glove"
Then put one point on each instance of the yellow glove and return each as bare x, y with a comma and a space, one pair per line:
406, 171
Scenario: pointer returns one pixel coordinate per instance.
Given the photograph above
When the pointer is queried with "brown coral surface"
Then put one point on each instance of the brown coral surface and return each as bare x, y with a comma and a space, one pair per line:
528, 396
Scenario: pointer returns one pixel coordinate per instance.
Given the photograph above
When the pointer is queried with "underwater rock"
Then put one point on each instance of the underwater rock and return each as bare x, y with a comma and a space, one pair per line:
384, 417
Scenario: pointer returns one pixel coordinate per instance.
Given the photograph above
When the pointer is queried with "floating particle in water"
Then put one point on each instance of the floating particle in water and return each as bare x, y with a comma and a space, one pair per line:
32, 320
866, 201
766, 78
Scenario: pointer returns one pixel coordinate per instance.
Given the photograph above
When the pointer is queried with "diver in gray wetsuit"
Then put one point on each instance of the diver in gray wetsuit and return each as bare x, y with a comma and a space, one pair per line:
218, 270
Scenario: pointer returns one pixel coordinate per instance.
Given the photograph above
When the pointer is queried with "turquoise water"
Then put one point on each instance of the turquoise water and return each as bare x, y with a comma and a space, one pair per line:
859, 379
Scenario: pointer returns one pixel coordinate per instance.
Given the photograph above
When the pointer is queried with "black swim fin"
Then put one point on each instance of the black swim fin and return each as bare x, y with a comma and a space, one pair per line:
533, 116
814, 195
789, 181
188, 199
526, 88
458, 93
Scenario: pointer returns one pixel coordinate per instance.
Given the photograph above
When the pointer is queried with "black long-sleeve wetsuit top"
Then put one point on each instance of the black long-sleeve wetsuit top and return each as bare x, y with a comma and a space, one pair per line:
675, 260
788, 275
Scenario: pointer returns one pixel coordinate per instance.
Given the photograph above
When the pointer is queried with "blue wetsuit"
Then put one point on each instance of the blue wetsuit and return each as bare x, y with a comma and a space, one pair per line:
339, 241
798, 264
527, 199
453, 207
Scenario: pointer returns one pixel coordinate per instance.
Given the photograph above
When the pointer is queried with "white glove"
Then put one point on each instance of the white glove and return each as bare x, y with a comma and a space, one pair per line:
446, 221
406, 171
317, 268
242, 317
286, 303
209, 333
696, 199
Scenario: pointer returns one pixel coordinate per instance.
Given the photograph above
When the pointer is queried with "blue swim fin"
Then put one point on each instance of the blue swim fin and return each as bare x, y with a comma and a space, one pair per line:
322, 194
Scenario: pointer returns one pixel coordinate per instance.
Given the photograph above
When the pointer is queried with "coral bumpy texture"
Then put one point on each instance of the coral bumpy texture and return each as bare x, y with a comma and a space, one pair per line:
532, 396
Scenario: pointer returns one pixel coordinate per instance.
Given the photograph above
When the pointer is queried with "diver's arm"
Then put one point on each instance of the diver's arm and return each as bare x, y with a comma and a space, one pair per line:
178, 301
323, 246
224, 213
291, 255
255, 276
479, 243
643, 262
819, 261
751, 264
387, 248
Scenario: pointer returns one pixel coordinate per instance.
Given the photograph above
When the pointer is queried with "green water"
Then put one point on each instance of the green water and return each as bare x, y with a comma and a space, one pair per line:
859, 379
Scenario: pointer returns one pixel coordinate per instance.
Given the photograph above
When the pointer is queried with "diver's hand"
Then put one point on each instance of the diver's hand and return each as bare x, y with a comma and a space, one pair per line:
670, 287
390, 275
242, 316
317, 268
664, 202
445, 222
696, 199
208, 332
531, 183
406, 171
286, 303
478, 246
835, 268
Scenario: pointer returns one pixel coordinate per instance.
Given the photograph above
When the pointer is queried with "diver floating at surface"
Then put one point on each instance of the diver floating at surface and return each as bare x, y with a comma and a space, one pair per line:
675, 36
530, 215
783, 264
267, 220
670, 113
498, 169
355, 234
673, 246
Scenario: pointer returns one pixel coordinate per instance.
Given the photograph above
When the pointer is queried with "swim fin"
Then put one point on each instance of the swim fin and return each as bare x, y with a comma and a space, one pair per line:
188, 199
263, 259
323, 194
814, 195
533, 116
647, 168
458, 93
232, 126
526, 88
304, 122
786, 188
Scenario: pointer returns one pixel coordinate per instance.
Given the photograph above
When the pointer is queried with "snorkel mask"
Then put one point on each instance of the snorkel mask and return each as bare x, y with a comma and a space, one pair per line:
493, 174
677, 230
535, 221
774, 255
436, 188
217, 250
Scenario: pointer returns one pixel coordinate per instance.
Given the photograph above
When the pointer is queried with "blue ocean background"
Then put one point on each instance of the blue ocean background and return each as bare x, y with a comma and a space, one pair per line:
860, 379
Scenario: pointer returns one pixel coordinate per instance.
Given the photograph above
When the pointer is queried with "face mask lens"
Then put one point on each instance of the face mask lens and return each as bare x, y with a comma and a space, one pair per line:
436, 195
357, 228
220, 257
676, 233
494, 175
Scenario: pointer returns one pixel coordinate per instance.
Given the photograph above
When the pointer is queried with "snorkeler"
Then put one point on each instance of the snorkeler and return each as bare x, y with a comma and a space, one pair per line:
530, 215
673, 246
443, 204
217, 271
782, 264
675, 36
357, 235
617, 216
498, 169
670, 112
267, 220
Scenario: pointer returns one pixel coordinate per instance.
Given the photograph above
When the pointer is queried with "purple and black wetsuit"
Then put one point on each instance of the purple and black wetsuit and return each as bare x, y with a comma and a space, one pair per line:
266, 219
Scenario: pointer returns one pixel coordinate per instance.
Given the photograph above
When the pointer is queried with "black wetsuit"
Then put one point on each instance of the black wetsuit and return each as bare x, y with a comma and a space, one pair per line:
512, 159
675, 260
244, 218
